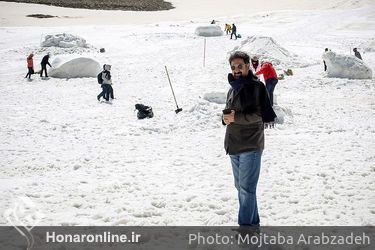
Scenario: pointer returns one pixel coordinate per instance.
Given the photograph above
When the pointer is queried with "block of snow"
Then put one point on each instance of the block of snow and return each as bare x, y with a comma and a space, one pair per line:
268, 50
78, 67
64, 41
346, 66
209, 30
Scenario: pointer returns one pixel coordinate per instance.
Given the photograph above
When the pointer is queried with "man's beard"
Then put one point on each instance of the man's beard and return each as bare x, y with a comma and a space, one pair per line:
238, 76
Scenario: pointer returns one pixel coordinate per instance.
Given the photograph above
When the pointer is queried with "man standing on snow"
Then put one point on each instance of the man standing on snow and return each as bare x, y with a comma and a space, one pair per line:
234, 31
270, 77
247, 111
357, 54
44, 64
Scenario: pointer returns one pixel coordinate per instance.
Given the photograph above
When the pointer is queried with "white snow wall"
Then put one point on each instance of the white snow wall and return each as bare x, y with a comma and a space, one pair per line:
346, 66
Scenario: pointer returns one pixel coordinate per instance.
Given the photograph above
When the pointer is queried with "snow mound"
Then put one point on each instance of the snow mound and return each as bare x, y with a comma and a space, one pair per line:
268, 50
215, 97
64, 41
346, 66
78, 67
209, 30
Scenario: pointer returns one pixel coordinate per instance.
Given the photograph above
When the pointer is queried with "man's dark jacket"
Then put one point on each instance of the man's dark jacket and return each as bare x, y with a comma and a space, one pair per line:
252, 109
45, 61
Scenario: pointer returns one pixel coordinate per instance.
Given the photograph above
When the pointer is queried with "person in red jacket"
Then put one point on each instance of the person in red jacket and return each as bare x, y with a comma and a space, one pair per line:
30, 65
270, 77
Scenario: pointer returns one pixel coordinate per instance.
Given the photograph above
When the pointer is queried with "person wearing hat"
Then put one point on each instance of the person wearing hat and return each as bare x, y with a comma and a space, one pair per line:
270, 77
357, 54
255, 66
30, 65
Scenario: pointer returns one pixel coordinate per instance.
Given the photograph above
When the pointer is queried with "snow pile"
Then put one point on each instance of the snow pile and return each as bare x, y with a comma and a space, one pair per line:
209, 30
346, 66
78, 67
64, 41
268, 50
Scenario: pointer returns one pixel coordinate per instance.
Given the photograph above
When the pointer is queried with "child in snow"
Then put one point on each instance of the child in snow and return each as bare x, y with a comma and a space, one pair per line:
106, 85
255, 66
30, 65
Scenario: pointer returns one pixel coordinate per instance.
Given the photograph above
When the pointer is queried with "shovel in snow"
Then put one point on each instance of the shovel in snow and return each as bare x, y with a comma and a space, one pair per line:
170, 84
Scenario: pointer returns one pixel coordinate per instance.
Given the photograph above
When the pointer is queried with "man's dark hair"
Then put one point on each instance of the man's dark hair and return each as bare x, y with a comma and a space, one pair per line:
239, 54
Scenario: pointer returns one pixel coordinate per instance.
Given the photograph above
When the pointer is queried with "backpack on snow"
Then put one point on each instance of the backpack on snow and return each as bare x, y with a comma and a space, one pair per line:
144, 111
100, 78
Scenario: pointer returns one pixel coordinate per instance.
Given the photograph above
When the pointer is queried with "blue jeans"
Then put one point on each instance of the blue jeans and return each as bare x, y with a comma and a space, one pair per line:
270, 85
246, 168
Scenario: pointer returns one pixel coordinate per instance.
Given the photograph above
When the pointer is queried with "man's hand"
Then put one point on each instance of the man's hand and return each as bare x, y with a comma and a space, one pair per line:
269, 125
229, 118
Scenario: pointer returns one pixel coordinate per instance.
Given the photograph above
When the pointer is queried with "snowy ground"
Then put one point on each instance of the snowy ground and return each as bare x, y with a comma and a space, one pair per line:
88, 163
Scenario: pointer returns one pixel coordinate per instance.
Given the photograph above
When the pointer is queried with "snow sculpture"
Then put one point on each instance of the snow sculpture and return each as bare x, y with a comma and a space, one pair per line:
346, 66
268, 50
209, 30
64, 41
79, 67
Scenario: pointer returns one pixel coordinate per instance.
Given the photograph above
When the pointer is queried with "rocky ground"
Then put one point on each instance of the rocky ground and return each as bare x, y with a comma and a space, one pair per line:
135, 5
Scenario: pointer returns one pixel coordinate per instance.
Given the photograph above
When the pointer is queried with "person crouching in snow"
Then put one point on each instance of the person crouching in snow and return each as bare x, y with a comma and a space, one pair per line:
30, 65
106, 85
270, 77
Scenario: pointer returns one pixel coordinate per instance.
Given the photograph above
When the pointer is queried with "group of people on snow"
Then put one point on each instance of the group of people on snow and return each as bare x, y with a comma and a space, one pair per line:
43, 63
232, 29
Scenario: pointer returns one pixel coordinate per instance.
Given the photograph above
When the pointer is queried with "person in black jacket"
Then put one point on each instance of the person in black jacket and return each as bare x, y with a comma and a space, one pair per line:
44, 65
234, 31
247, 112
357, 54
324, 62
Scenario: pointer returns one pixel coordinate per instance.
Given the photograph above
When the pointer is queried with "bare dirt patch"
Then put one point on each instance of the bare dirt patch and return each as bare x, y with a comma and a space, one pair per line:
134, 5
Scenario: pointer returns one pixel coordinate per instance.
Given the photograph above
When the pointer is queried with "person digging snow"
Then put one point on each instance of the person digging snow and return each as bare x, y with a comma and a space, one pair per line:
44, 64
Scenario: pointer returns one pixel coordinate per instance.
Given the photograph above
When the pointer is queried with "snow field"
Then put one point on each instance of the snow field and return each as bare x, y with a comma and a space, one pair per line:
89, 163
